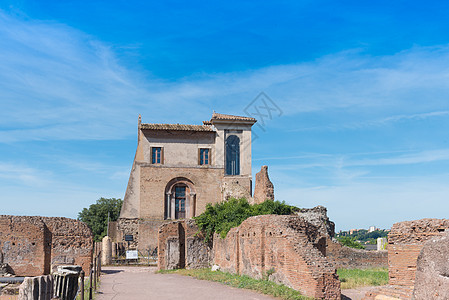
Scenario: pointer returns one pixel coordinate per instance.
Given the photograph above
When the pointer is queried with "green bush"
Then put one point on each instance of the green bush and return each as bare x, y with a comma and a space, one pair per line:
221, 217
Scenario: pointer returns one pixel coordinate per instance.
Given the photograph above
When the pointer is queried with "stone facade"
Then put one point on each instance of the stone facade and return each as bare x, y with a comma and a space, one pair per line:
178, 169
264, 188
34, 246
288, 248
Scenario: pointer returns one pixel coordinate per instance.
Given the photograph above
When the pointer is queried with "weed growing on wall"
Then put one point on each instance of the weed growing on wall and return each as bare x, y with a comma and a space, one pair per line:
221, 217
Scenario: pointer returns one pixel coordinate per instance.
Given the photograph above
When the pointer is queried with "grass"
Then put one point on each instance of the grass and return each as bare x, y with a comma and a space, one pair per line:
242, 281
353, 278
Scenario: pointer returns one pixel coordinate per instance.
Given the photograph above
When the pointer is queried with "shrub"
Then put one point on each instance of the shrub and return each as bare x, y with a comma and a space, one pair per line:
221, 217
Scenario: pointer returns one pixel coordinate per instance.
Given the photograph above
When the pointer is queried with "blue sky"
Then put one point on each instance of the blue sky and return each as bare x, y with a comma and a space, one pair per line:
363, 90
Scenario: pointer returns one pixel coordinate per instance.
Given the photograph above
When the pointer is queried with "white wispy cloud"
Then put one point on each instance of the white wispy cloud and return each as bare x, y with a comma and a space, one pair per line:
59, 83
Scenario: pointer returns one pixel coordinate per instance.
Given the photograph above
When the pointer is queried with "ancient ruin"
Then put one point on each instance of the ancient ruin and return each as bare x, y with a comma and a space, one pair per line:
264, 188
432, 272
286, 249
34, 246
405, 242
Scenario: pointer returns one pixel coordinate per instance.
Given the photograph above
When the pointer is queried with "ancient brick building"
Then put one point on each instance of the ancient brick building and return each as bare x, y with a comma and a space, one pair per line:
178, 169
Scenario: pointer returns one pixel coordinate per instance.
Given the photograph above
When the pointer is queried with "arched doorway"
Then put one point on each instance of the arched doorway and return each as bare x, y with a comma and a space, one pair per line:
180, 199
232, 155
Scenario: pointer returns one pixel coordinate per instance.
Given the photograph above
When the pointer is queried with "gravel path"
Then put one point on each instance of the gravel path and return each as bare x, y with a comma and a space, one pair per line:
135, 283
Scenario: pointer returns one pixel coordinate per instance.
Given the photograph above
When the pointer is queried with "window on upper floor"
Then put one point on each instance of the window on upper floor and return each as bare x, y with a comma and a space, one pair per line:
204, 156
157, 155
232, 155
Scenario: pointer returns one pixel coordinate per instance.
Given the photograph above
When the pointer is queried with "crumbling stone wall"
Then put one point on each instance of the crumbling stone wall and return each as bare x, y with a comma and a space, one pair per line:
26, 245
432, 273
405, 241
264, 188
318, 217
182, 246
72, 242
349, 258
32, 245
287, 246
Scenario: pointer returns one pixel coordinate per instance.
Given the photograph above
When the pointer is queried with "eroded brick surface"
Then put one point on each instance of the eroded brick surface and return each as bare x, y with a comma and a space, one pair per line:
405, 242
287, 247
32, 245
264, 188
349, 258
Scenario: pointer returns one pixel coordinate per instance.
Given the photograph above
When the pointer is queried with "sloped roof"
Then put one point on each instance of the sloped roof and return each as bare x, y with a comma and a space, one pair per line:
176, 127
217, 116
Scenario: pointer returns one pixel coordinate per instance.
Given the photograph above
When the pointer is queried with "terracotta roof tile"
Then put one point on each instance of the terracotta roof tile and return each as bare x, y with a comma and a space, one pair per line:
217, 116
177, 127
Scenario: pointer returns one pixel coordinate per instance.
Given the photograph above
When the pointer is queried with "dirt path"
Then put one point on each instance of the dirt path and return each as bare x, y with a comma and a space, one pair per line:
355, 294
136, 283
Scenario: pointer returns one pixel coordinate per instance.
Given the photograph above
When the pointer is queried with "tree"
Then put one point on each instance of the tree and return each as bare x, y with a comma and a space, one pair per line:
96, 216
350, 242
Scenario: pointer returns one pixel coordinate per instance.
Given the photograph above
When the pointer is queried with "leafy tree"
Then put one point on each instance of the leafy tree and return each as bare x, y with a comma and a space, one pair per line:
350, 242
96, 216
221, 217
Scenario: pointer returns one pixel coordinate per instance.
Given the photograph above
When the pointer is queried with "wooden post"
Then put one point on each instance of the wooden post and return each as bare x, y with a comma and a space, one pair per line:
82, 285
95, 273
90, 282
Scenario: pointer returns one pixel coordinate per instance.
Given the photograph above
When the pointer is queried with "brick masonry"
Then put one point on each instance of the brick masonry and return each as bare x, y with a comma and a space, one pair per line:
182, 246
264, 188
286, 246
26, 245
33, 246
405, 242
348, 258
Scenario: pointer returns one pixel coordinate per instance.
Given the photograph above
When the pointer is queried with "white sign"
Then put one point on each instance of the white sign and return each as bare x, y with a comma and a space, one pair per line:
132, 254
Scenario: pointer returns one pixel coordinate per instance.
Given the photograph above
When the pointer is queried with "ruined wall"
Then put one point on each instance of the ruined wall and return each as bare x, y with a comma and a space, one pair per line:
405, 241
348, 258
432, 274
72, 242
180, 246
264, 188
236, 186
32, 246
26, 245
286, 246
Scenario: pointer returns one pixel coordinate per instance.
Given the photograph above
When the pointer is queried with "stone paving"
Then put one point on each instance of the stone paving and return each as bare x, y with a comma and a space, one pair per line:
139, 283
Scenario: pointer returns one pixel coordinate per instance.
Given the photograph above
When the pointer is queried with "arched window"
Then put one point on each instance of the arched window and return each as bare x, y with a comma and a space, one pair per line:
180, 199
233, 155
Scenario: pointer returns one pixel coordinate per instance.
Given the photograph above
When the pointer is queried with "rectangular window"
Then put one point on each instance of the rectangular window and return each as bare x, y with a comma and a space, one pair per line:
156, 155
204, 156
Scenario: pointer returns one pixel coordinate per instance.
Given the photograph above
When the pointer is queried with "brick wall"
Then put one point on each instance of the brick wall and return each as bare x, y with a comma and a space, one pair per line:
285, 245
405, 242
33, 246
26, 245
72, 242
180, 246
348, 258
